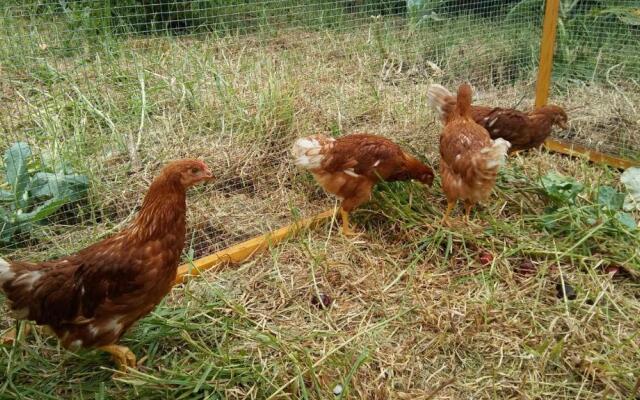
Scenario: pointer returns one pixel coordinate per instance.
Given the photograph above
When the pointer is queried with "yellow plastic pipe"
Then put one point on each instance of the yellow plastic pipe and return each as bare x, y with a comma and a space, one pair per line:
576, 150
243, 251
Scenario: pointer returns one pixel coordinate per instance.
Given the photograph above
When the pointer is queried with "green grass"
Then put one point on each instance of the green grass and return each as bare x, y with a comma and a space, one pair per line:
413, 307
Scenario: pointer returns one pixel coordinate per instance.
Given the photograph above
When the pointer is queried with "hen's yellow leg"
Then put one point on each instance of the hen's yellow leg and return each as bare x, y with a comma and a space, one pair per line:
467, 210
346, 228
122, 356
445, 218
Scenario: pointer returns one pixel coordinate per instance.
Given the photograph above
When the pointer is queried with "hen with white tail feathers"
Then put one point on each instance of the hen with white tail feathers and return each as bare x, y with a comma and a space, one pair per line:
351, 165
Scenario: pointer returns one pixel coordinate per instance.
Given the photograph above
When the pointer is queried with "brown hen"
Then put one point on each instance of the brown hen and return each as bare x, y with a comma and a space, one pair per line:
89, 299
350, 166
469, 159
523, 130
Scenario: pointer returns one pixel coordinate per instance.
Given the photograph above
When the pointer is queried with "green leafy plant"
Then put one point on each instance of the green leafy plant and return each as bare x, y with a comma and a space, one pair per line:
561, 189
31, 195
570, 212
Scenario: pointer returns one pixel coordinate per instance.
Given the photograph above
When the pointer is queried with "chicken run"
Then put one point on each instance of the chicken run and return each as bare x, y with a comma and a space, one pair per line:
249, 175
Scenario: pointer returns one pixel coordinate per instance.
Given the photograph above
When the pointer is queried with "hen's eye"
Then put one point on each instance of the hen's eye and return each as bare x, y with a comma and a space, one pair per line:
194, 170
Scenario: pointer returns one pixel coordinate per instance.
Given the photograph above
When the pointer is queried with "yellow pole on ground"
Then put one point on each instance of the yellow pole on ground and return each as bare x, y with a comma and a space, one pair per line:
547, 45
243, 251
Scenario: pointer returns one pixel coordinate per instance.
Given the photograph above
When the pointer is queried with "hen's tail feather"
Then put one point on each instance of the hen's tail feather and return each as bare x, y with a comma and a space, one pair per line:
463, 100
495, 155
19, 285
6, 274
441, 100
309, 151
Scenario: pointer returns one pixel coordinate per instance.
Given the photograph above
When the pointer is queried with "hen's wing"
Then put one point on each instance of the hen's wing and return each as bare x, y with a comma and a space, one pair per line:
42, 292
364, 155
478, 113
509, 124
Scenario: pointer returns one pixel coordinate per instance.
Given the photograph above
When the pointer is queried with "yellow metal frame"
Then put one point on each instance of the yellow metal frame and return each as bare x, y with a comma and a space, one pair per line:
552, 9
241, 252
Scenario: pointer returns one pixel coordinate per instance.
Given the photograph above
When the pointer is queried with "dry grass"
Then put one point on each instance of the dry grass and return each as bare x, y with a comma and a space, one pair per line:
413, 308
421, 324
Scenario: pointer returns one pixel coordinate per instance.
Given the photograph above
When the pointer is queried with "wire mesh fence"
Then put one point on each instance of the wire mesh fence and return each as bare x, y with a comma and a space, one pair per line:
97, 95
597, 74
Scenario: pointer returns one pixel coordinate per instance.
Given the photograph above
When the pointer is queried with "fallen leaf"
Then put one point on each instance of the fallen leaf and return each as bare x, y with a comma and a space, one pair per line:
565, 289
321, 301
485, 258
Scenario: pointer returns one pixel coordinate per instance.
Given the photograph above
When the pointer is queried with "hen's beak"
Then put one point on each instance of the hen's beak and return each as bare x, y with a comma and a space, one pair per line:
208, 175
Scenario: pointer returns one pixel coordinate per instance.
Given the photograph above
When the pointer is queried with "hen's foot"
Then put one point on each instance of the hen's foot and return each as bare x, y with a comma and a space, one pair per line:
346, 226
122, 356
10, 337
348, 232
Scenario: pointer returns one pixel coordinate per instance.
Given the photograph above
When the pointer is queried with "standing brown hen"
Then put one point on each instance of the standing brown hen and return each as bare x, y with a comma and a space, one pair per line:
469, 159
523, 130
90, 298
351, 165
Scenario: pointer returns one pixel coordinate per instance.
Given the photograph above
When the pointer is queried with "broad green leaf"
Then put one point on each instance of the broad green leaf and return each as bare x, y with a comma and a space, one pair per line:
42, 193
15, 162
53, 162
610, 198
626, 219
6, 231
59, 186
6, 196
43, 211
6, 227
631, 181
561, 189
